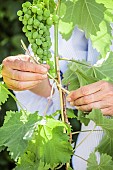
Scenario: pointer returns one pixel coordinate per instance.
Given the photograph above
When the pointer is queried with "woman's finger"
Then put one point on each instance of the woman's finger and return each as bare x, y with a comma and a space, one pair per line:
20, 85
22, 76
85, 90
17, 64
90, 106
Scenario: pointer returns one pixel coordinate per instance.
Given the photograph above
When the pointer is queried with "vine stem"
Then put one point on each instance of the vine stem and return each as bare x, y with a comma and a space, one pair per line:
73, 133
76, 61
62, 94
85, 138
81, 157
58, 85
56, 56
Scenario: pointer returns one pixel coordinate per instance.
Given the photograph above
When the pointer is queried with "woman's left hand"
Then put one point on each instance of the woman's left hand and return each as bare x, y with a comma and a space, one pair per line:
97, 95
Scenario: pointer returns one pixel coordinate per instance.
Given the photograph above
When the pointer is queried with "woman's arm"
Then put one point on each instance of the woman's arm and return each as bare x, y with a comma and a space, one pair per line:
30, 84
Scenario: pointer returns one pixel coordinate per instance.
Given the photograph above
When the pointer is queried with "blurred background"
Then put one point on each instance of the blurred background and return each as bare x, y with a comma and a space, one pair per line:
10, 36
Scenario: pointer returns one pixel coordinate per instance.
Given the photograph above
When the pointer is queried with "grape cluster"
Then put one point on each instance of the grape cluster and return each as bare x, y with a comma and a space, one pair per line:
37, 21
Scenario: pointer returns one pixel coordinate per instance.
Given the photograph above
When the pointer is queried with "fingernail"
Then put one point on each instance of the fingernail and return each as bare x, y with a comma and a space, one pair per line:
68, 99
44, 69
77, 107
72, 103
44, 76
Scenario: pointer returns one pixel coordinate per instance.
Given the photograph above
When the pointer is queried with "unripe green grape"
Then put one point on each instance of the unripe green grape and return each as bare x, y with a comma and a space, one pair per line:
27, 4
36, 22
39, 36
41, 25
34, 9
35, 35
45, 29
19, 13
45, 44
33, 30
45, 52
26, 16
47, 33
43, 39
32, 41
44, 18
40, 6
29, 39
29, 34
28, 12
52, 72
30, 21
39, 51
48, 38
49, 44
29, 27
55, 18
49, 21
25, 9
51, 63
34, 47
38, 42
44, 58
41, 32
20, 18
40, 18
24, 29
39, 11
41, 57
24, 21
24, 5
49, 55
46, 13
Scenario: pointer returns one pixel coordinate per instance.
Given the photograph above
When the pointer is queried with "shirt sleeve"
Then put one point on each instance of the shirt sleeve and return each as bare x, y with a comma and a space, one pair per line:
33, 102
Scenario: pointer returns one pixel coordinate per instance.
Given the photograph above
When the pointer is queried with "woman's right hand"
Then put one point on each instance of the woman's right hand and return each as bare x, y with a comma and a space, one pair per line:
21, 74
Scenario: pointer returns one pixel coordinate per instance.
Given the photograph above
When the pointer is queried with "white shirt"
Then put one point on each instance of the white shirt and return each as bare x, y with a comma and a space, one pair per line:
76, 47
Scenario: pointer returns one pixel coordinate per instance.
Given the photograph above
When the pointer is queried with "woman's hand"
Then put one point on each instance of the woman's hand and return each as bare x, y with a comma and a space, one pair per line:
21, 74
98, 95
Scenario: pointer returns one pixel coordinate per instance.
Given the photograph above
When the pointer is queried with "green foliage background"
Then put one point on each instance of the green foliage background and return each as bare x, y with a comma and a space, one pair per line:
10, 36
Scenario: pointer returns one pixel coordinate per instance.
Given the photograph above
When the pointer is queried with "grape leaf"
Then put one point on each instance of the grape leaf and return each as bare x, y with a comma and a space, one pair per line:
107, 4
3, 93
102, 40
104, 67
85, 14
106, 145
102, 121
104, 163
12, 133
50, 143
70, 113
26, 162
84, 77
70, 79
82, 118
